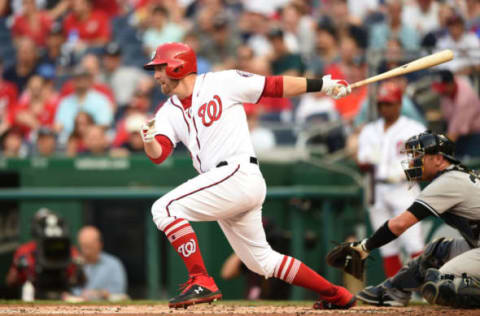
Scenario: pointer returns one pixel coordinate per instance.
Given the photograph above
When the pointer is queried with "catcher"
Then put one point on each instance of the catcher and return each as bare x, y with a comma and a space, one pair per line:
448, 271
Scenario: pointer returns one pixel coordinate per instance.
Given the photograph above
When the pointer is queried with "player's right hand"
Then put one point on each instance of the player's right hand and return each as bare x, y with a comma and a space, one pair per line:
335, 88
148, 131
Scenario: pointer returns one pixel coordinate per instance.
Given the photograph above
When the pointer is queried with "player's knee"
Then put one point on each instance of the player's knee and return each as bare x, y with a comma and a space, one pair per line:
160, 214
436, 253
263, 263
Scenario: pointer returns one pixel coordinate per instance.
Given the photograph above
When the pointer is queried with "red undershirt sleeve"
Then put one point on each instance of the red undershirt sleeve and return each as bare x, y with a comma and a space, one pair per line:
167, 148
273, 87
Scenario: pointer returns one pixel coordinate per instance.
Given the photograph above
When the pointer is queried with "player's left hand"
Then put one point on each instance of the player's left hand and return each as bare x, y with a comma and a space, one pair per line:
349, 257
335, 88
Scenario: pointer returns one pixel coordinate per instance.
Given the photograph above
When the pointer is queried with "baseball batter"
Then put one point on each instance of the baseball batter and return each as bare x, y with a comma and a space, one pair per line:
205, 113
448, 271
380, 147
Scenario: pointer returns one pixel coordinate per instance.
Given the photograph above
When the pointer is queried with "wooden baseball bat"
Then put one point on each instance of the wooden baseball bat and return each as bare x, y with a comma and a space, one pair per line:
418, 64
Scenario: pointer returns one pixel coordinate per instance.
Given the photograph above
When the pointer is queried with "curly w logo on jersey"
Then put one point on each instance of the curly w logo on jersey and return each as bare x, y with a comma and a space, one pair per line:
211, 111
187, 248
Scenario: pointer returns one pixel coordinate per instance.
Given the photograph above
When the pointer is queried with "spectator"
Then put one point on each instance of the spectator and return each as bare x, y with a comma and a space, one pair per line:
220, 46
139, 104
379, 151
203, 65
92, 27
32, 23
263, 139
161, 30
8, 100
36, 107
75, 143
95, 141
122, 80
133, 143
255, 25
25, 65
283, 62
52, 55
56, 8
326, 47
422, 15
47, 261
106, 277
91, 64
465, 45
395, 28
12, 144
299, 28
460, 105
46, 144
85, 99
473, 16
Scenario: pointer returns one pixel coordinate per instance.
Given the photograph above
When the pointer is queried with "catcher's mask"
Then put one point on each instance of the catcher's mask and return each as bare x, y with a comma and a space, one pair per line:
427, 143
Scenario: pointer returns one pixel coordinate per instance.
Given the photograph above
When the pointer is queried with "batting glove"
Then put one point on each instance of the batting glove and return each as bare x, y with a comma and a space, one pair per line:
335, 88
148, 131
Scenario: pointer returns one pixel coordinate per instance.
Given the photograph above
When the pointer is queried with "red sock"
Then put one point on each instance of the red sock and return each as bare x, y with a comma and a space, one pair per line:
391, 265
295, 272
184, 241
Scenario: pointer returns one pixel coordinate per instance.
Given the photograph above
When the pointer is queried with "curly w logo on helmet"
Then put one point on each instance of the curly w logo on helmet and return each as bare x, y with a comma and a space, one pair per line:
211, 111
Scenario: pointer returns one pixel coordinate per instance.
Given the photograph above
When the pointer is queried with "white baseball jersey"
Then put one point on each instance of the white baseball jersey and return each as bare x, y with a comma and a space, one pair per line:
392, 196
214, 128
382, 148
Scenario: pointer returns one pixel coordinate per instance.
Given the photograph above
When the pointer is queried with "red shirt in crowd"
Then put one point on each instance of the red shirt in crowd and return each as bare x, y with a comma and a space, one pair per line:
45, 116
38, 32
8, 99
69, 88
96, 27
28, 252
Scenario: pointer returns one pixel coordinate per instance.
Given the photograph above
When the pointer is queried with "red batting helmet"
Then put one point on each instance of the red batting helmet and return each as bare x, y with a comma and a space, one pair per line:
179, 58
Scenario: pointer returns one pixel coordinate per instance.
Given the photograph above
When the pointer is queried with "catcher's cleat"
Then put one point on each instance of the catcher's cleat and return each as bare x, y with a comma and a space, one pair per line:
198, 289
342, 299
377, 295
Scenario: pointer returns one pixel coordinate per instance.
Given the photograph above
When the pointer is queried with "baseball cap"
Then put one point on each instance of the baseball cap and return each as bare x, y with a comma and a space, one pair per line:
389, 92
113, 49
442, 79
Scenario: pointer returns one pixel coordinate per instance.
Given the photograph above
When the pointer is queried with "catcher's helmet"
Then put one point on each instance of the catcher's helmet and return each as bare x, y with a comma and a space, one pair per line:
422, 144
179, 58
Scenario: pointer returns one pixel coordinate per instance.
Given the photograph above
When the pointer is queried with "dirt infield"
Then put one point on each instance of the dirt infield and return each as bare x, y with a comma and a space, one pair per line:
235, 309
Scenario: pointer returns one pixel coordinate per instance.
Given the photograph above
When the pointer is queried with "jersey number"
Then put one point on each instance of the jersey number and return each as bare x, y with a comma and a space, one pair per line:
211, 111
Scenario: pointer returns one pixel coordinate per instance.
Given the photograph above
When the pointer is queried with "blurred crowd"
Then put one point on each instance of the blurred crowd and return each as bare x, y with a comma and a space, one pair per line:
72, 81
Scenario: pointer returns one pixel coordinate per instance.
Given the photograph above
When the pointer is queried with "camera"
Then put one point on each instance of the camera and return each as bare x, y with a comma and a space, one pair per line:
54, 264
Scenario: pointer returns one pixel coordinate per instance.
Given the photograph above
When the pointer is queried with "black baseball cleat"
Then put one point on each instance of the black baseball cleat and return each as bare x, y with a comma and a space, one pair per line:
198, 289
329, 305
377, 295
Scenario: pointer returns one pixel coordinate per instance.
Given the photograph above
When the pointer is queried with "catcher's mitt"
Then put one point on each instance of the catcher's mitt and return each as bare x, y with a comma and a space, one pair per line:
345, 257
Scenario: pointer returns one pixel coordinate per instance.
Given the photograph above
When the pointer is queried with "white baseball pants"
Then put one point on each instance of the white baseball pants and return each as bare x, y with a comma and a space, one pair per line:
232, 195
